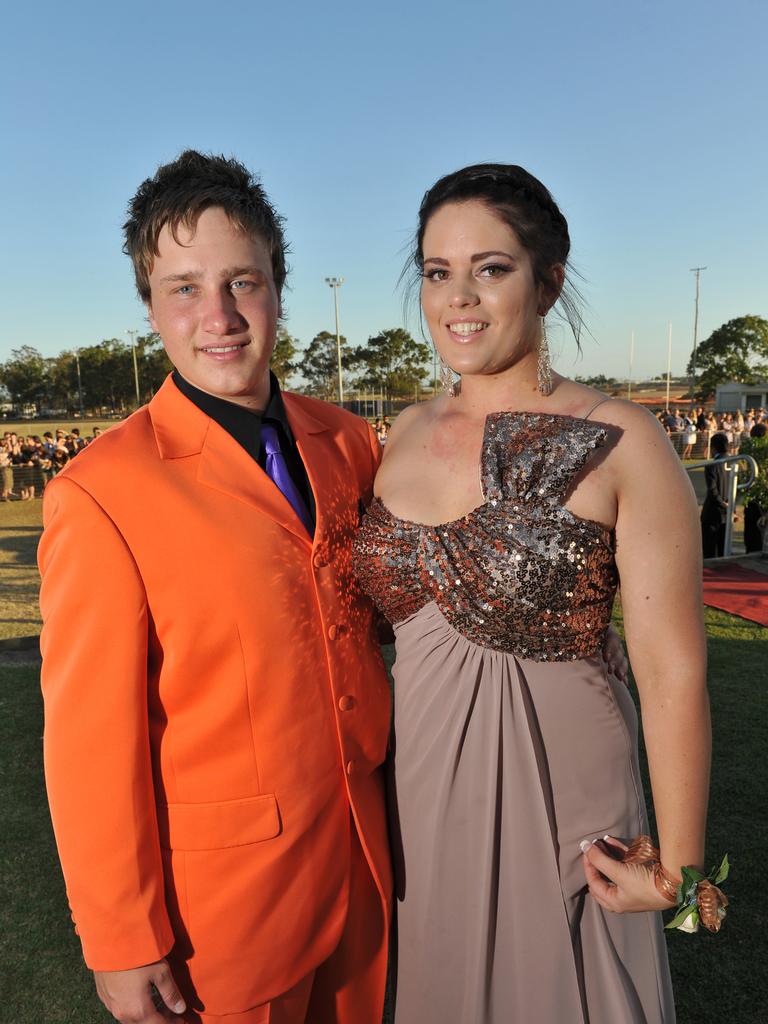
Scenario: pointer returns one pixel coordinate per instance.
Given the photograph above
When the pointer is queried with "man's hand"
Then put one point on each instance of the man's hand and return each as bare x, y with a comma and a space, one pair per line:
133, 996
614, 656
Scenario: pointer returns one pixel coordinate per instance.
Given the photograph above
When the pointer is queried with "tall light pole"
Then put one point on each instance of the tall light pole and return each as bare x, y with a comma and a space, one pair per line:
135, 365
336, 283
631, 365
697, 271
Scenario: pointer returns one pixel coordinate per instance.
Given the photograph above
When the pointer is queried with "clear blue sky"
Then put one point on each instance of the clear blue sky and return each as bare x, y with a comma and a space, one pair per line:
646, 120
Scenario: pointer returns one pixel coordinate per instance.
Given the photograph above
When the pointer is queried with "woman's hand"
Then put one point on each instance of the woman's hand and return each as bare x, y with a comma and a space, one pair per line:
618, 887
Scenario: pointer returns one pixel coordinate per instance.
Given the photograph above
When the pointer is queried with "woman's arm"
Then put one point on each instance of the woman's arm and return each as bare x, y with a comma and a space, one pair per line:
658, 552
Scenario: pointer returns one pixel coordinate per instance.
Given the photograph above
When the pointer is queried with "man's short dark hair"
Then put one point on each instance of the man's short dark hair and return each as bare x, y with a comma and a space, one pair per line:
719, 442
177, 195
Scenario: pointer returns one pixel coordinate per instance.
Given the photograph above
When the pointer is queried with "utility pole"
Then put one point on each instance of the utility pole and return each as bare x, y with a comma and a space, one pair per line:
697, 271
79, 382
336, 283
669, 363
132, 335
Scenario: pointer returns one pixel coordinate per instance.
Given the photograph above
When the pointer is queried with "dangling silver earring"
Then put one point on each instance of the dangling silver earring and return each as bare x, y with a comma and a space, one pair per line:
544, 369
450, 381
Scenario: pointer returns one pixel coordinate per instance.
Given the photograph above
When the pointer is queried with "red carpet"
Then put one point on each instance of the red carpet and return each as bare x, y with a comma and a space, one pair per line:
738, 591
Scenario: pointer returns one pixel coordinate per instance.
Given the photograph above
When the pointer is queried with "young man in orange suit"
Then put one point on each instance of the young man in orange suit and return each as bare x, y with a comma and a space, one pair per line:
216, 722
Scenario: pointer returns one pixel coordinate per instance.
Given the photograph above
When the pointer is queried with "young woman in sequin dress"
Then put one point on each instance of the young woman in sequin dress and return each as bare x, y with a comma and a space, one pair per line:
504, 518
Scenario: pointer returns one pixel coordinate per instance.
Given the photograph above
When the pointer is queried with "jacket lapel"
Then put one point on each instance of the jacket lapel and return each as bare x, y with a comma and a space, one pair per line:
314, 454
181, 430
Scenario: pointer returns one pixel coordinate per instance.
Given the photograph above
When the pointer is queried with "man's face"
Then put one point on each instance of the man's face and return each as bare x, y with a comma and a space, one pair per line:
215, 305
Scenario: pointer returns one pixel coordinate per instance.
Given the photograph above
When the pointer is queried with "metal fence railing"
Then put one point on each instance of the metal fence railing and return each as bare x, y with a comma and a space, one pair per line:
735, 486
21, 481
701, 446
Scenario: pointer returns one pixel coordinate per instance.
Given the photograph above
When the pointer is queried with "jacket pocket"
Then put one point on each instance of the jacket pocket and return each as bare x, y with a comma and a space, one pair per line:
220, 825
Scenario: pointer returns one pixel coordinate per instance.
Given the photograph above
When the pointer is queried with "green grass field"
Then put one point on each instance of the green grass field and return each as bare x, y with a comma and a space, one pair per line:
716, 977
20, 526
37, 428
43, 981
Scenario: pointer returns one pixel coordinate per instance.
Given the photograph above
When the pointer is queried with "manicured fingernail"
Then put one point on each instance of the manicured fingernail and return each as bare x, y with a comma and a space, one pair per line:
606, 838
180, 1007
584, 845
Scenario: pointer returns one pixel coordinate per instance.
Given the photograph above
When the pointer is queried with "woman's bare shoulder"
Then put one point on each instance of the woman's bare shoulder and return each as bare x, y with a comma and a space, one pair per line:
630, 415
642, 451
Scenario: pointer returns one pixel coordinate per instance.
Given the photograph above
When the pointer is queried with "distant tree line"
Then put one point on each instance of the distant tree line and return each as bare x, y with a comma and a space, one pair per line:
102, 376
391, 363
736, 351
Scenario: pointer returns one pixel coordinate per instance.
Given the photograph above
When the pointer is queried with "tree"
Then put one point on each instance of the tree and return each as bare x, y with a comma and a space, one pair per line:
61, 382
757, 447
106, 372
153, 365
600, 381
24, 375
319, 366
738, 350
283, 356
392, 361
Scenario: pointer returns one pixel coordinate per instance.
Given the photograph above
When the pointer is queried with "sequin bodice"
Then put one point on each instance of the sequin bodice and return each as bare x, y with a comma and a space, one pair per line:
520, 573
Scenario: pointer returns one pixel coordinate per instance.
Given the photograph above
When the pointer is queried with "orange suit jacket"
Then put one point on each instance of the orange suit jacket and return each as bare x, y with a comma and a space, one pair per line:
215, 698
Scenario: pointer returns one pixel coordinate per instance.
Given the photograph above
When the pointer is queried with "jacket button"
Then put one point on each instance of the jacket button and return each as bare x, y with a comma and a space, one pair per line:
351, 767
346, 703
320, 561
336, 630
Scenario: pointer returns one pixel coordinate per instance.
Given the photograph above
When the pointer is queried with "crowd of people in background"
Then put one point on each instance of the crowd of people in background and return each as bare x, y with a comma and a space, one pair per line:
688, 425
381, 426
28, 462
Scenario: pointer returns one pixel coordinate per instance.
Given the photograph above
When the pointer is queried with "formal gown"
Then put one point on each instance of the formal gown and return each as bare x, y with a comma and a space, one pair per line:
512, 744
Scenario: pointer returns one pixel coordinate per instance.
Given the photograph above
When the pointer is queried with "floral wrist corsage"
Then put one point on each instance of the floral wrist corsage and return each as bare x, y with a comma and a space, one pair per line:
696, 896
700, 900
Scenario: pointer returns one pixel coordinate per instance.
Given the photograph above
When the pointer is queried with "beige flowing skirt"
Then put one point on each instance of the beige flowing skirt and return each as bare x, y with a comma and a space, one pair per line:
501, 767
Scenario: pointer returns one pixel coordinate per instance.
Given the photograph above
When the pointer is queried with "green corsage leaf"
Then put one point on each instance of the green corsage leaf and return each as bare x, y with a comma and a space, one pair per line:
722, 871
691, 876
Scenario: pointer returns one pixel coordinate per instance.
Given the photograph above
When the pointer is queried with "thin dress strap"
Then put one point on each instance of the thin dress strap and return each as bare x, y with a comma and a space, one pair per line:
605, 398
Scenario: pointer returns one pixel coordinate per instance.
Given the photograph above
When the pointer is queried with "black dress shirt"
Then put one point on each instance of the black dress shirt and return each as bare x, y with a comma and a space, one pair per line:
245, 427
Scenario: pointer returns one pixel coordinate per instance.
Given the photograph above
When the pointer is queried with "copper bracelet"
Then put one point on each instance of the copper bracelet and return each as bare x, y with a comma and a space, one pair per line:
666, 884
642, 851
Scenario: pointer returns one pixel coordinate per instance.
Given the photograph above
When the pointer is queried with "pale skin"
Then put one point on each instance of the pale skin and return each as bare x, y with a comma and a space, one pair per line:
477, 272
212, 290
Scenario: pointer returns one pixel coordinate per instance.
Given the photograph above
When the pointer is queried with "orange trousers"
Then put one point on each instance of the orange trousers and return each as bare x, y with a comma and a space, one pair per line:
348, 987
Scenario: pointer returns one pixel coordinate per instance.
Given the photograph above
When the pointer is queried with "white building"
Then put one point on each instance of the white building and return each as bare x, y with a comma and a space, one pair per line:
734, 396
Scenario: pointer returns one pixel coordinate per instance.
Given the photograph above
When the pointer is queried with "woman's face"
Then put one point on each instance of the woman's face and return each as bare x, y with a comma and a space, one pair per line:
478, 292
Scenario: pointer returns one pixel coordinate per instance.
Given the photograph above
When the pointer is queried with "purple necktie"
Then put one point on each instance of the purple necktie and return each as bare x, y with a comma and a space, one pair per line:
277, 471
